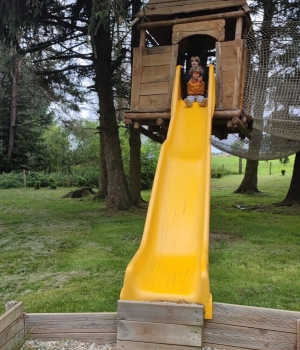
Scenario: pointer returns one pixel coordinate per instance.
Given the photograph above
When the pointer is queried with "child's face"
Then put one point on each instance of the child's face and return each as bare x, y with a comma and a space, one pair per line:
194, 63
196, 75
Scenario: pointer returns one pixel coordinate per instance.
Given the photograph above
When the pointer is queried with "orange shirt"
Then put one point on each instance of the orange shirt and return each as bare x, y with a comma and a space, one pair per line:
196, 87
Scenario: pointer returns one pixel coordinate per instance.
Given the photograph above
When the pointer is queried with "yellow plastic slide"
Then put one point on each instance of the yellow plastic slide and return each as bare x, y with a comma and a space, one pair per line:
171, 263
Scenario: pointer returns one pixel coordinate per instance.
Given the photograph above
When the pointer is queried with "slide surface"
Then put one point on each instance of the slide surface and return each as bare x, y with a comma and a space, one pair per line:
171, 263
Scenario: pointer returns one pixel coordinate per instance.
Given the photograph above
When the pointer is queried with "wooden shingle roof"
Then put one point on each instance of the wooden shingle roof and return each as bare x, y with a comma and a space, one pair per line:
170, 7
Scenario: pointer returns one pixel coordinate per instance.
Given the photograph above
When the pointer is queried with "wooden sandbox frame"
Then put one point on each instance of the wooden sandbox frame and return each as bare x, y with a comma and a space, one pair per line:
233, 327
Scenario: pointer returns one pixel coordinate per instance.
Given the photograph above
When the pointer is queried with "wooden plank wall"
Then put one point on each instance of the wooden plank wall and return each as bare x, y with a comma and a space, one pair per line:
98, 327
160, 326
12, 328
237, 327
230, 56
152, 79
233, 327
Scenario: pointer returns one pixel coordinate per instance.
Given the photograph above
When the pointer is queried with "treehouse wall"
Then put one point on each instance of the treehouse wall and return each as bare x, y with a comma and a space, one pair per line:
153, 76
230, 73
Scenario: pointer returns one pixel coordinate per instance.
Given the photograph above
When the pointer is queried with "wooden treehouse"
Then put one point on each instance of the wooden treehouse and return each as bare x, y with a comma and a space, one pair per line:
171, 31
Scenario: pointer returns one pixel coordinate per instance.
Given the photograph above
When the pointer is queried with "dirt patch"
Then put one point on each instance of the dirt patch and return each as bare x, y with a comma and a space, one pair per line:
217, 238
274, 209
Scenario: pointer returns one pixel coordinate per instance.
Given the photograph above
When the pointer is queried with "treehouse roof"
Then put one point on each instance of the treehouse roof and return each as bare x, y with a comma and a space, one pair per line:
171, 7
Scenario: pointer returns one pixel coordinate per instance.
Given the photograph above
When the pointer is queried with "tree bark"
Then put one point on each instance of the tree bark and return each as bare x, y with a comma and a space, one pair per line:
15, 72
249, 183
293, 195
134, 181
102, 190
240, 165
135, 176
118, 197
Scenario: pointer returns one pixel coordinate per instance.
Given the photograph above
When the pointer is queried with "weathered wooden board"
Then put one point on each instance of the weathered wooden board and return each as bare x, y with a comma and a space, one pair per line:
214, 28
227, 347
173, 63
156, 60
98, 322
171, 313
160, 333
153, 102
14, 342
11, 316
255, 317
136, 77
129, 345
155, 50
97, 338
12, 328
219, 77
11, 331
184, 6
154, 88
298, 335
247, 337
228, 76
155, 74
228, 63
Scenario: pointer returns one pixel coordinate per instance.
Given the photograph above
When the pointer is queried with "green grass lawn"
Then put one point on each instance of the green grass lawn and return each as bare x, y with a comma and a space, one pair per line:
231, 164
69, 255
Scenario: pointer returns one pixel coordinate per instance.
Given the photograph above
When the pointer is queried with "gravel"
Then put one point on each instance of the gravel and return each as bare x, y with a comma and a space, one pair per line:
72, 345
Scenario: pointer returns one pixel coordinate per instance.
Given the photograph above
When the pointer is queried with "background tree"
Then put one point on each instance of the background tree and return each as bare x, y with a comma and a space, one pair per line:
59, 32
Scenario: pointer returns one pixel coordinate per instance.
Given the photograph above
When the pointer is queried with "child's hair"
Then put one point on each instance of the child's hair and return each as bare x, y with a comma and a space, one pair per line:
195, 58
196, 69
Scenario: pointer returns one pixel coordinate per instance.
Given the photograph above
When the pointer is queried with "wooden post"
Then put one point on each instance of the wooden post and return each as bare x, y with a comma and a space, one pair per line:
24, 177
223, 169
239, 28
143, 38
240, 165
10, 304
158, 325
298, 335
270, 172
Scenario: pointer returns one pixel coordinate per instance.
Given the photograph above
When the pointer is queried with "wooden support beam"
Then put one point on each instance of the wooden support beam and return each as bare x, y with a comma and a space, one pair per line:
128, 122
162, 123
246, 8
241, 127
168, 23
239, 28
227, 113
147, 115
143, 34
150, 135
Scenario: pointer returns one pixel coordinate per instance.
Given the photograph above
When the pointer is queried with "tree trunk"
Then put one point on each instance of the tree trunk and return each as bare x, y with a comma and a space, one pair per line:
293, 195
118, 197
13, 113
102, 190
134, 178
249, 183
134, 181
240, 165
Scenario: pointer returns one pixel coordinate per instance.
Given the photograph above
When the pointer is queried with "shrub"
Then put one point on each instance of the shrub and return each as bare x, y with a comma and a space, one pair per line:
52, 183
37, 185
283, 172
217, 174
11, 180
81, 181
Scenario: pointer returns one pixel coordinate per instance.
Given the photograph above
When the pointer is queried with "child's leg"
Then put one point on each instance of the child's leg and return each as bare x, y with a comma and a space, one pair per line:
189, 101
202, 101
